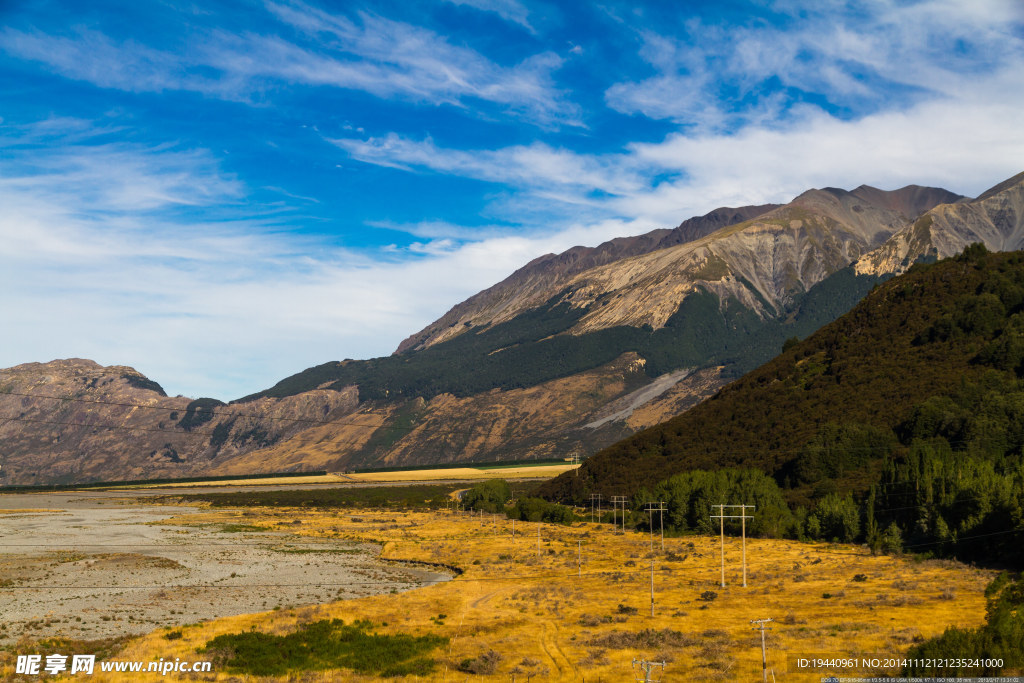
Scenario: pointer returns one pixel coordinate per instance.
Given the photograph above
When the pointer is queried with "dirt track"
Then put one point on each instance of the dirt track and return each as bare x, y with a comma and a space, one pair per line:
93, 565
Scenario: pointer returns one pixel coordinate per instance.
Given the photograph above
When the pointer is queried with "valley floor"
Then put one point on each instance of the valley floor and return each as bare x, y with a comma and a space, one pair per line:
577, 605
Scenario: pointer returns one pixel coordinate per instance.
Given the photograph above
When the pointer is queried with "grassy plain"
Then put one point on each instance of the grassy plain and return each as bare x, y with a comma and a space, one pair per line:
526, 614
269, 481
519, 472
335, 478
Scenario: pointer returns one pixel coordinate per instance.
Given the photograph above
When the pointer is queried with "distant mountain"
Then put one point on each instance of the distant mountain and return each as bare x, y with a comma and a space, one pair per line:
766, 255
74, 420
995, 219
539, 280
729, 297
569, 354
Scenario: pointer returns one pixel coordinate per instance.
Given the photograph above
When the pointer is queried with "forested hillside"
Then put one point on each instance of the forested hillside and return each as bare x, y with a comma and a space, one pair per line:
901, 423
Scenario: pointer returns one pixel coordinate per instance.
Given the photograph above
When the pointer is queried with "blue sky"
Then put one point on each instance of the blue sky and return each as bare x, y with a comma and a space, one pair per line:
222, 194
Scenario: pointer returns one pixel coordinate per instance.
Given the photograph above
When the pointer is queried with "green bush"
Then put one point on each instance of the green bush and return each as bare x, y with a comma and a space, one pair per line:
690, 499
540, 510
325, 645
490, 495
1000, 638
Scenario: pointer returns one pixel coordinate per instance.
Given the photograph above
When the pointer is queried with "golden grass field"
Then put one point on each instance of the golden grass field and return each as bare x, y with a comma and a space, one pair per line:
524, 472
457, 473
552, 620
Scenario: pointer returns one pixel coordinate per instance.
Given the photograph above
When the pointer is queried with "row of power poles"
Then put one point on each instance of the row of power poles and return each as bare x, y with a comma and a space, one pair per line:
647, 670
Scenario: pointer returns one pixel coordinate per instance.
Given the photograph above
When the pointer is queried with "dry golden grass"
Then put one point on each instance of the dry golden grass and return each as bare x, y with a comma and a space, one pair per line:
545, 620
527, 472
269, 481
457, 473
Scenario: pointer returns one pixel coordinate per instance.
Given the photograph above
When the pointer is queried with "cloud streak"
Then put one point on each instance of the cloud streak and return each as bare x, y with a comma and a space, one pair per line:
509, 10
858, 57
536, 166
385, 58
120, 277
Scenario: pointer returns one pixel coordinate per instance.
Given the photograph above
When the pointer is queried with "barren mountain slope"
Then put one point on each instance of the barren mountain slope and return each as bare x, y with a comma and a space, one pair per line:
549, 420
75, 420
763, 263
996, 219
545, 276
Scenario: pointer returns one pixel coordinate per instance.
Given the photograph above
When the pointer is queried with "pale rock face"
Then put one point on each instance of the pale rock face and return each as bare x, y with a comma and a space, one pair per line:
546, 276
996, 219
763, 260
762, 263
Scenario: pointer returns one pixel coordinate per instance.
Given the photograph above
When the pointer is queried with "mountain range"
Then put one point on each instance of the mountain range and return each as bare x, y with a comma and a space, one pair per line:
569, 354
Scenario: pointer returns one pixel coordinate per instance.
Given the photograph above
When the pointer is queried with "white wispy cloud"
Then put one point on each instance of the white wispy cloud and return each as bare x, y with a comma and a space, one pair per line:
89, 55
221, 308
403, 58
509, 10
862, 56
537, 166
373, 54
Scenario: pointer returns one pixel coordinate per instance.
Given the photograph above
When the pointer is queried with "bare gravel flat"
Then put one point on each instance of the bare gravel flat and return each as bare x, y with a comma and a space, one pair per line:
101, 564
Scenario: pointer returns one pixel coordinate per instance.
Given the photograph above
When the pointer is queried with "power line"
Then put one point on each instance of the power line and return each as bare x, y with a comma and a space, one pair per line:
595, 497
504, 577
616, 501
446, 539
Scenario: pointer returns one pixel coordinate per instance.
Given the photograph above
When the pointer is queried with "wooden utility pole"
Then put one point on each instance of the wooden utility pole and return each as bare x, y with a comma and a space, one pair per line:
721, 517
652, 586
595, 497
660, 509
579, 558
764, 653
743, 532
644, 670
616, 501
538, 540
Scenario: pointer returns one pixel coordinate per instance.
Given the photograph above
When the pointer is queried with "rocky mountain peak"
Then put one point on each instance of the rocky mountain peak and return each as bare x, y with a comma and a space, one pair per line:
545, 276
995, 219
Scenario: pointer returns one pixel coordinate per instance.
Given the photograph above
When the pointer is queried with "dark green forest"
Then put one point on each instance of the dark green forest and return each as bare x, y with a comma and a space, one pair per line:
530, 348
989, 650
900, 425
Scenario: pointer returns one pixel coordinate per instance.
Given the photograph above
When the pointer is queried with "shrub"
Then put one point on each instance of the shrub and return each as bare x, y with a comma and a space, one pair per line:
489, 496
324, 645
487, 663
539, 510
